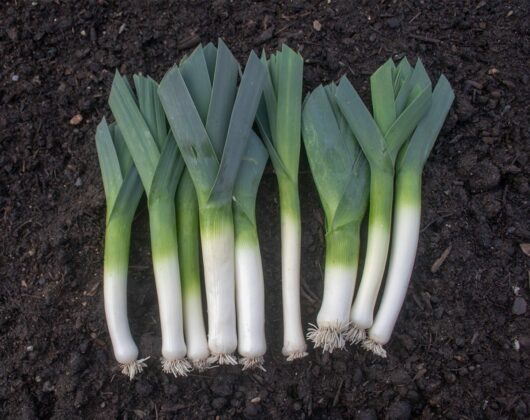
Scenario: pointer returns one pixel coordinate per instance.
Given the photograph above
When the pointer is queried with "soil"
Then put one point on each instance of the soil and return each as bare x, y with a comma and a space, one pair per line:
461, 347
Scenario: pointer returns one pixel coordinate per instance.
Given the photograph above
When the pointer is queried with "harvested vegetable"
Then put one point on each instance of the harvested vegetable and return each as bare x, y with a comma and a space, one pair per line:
279, 120
190, 273
341, 175
250, 290
407, 212
212, 153
381, 138
123, 190
157, 160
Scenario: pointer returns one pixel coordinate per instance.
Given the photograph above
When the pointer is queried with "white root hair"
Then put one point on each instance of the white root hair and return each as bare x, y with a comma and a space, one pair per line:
328, 337
222, 359
296, 355
355, 335
201, 364
375, 348
179, 367
255, 362
133, 368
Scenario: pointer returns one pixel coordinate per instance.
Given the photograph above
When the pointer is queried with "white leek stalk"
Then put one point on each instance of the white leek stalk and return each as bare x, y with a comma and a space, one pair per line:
250, 290
188, 229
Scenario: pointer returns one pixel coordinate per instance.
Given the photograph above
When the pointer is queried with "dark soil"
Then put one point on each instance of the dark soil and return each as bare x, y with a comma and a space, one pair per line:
461, 347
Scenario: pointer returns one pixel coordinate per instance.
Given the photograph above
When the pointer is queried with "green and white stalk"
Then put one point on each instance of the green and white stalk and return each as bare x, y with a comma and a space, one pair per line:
341, 176
190, 273
250, 289
156, 157
213, 153
380, 137
407, 213
123, 190
279, 120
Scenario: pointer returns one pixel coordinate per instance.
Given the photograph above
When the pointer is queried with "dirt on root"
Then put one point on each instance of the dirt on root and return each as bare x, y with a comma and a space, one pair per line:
462, 344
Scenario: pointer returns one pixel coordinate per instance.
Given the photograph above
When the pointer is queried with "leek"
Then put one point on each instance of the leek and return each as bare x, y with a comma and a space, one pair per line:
380, 137
156, 157
250, 290
279, 121
212, 152
123, 190
341, 176
407, 212
188, 238
193, 72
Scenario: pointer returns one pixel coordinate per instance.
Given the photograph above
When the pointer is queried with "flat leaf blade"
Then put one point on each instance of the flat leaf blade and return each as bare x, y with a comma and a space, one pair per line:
108, 162
418, 149
363, 125
241, 120
168, 171
405, 124
249, 177
222, 97
329, 156
195, 73
382, 90
287, 137
189, 132
136, 132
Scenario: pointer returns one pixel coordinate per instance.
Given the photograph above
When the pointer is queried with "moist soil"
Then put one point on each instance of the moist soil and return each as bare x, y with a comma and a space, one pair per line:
461, 346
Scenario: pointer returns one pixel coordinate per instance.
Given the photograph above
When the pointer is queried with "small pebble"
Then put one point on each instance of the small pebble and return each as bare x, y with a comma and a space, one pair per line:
14, 78
47, 387
519, 306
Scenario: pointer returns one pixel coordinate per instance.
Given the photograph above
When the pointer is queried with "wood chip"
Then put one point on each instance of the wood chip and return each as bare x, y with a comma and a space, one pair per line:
317, 26
188, 42
525, 248
438, 263
76, 119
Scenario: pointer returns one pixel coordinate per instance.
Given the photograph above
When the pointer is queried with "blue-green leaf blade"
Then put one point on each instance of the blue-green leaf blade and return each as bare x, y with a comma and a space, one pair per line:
241, 120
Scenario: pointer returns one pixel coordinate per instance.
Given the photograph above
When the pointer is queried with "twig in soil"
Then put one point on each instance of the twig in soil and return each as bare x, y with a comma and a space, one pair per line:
438, 263
337, 394
425, 38
439, 218
414, 17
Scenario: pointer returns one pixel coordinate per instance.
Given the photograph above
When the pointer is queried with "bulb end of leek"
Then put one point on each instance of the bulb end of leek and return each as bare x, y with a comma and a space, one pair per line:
295, 355
328, 337
177, 367
222, 359
374, 347
133, 368
355, 335
253, 362
201, 364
